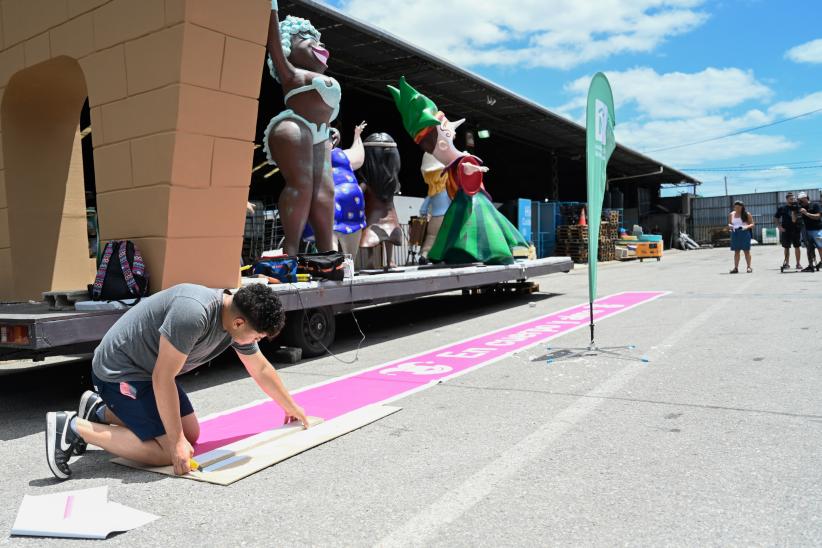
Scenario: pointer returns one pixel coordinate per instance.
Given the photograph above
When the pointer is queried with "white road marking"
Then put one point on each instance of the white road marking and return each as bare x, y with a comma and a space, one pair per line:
424, 526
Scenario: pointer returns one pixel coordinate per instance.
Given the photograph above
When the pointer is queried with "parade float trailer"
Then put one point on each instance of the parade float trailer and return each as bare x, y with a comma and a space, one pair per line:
176, 101
34, 331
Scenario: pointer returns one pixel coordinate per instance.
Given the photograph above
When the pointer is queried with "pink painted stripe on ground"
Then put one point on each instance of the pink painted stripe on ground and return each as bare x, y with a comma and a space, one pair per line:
399, 378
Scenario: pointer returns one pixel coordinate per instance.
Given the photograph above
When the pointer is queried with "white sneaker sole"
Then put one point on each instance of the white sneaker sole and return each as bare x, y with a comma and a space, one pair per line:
51, 439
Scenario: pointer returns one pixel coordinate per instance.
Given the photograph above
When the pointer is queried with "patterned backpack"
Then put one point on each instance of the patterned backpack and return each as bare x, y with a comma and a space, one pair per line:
123, 278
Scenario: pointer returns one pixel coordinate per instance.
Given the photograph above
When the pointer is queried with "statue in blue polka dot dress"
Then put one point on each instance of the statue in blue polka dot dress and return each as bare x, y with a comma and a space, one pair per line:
349, 202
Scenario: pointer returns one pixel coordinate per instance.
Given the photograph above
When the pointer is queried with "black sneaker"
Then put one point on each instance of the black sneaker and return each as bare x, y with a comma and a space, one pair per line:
60, 442
89, 403
808, 269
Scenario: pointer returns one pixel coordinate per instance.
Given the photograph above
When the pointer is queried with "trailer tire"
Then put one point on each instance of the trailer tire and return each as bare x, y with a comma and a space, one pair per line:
312, 330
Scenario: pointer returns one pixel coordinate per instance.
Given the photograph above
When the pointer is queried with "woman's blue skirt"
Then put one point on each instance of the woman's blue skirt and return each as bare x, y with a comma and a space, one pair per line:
741, 240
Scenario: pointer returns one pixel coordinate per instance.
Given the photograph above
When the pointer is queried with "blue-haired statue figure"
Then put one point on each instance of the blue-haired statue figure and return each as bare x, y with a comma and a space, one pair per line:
297, 139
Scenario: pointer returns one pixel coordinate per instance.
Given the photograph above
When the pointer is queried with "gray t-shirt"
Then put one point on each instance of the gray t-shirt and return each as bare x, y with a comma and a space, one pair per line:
188, 315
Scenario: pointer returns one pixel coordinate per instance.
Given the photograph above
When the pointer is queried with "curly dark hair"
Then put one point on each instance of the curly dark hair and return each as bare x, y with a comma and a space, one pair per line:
261, 308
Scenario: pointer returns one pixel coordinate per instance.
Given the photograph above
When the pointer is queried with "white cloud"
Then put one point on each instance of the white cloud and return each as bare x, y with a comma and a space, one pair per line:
532, 33
677, 108
777, 178
676, 94
659, 134
788, 109
809, 52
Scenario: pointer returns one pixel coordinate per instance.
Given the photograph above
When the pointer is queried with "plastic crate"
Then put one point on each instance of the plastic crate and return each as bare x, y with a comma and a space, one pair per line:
770, 236
649, 250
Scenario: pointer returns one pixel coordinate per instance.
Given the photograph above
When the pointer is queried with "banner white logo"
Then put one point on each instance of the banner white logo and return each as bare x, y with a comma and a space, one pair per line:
417, 368
601, 117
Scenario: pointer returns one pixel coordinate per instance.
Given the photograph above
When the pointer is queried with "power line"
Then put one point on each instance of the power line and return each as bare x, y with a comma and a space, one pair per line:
742, 170
740, 132
751, 166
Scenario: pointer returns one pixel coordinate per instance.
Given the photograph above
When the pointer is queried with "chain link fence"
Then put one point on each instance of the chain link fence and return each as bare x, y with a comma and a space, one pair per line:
709, 215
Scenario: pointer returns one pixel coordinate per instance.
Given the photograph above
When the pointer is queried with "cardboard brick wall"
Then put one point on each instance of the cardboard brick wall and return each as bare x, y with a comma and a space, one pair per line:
172, 86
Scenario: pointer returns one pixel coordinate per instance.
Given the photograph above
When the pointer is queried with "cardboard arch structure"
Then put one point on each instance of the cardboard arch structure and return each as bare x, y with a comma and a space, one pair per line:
172, 86
44, 177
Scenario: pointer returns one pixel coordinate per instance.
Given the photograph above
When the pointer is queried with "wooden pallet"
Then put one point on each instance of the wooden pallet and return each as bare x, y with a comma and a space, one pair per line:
572, 232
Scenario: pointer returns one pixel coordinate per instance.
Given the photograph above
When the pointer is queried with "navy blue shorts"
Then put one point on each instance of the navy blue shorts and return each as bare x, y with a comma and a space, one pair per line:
133, 402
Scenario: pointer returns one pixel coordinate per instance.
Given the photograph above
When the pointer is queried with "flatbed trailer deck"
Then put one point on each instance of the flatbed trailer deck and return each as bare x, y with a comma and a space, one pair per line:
32, 331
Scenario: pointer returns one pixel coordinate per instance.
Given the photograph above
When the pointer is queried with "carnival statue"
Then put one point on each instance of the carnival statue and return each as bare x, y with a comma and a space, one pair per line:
349, 201
472, 229
380, 176
436, 203
297, 139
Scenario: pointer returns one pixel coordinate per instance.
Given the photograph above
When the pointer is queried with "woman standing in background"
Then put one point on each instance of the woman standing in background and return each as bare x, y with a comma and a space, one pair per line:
740, 223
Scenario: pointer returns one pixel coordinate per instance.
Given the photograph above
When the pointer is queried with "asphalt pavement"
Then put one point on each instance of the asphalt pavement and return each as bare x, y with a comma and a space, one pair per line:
714, 441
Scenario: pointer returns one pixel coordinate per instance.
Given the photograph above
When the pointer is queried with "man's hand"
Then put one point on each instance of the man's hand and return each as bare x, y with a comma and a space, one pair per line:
181, 457
803, 211
296, 414
266, 378
359, 129
780, 229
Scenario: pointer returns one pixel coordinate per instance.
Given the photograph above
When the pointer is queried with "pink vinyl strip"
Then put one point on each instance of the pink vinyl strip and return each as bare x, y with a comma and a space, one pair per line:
399, 378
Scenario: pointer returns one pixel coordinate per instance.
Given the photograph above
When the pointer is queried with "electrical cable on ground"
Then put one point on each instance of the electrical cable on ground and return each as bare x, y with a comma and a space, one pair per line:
356, 322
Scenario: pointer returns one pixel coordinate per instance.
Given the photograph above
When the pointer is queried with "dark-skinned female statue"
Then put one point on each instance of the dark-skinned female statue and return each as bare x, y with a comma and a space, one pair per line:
297, 139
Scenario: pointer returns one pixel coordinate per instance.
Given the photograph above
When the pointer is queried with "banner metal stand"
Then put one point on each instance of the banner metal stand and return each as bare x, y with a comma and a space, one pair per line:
599, 145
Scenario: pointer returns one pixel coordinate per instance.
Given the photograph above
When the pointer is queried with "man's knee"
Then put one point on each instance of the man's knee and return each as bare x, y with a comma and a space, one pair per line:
191, 428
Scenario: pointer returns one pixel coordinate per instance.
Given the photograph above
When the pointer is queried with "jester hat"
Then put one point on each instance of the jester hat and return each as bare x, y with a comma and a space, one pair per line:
419, 113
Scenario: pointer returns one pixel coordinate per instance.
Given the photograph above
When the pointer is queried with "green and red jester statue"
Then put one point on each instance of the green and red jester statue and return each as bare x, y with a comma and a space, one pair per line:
472, 230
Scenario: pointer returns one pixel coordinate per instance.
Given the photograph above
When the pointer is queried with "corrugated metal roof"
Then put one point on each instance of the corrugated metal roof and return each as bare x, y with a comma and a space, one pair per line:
371, 58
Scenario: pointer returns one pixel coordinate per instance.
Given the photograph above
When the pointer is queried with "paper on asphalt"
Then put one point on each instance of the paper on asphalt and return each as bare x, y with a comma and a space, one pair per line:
85, 513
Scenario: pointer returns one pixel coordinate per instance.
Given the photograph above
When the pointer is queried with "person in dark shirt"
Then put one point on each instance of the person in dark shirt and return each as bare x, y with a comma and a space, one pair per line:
812, 216
790, 233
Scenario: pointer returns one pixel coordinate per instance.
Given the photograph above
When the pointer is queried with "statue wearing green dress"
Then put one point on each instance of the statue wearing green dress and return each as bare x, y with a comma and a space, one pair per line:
472, 230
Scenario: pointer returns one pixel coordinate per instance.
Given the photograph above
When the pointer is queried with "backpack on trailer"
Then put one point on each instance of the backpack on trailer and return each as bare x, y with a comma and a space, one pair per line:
121, 274
283, 269
329, 265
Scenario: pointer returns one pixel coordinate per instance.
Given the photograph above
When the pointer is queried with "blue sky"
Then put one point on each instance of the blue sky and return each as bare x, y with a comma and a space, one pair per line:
681, 71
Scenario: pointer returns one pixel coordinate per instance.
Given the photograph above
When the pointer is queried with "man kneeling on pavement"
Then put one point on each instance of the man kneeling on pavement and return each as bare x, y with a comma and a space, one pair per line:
138, 409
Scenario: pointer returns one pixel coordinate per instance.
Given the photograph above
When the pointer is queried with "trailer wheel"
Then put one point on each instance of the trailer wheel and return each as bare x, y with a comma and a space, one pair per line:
312, 330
